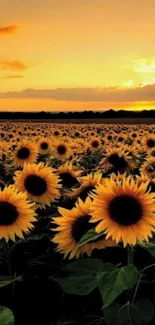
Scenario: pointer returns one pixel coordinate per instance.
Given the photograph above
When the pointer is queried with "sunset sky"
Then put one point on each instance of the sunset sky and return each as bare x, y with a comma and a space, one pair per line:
77, 54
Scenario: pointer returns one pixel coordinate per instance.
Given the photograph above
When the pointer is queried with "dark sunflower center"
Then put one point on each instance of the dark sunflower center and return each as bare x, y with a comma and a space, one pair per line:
125, 210
68, 180
95, 144
150, 143
129, 141
118, 162
85, 192
56, 133
150, 168
44, 145
35, 185
8, 213
61, 150
81, 226
109, 137
23, 153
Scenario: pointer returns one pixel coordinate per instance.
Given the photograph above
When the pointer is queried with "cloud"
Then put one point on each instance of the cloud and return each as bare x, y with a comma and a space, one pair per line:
129, 83
16, 65
10, 29
12, 77
143, 65
113, 94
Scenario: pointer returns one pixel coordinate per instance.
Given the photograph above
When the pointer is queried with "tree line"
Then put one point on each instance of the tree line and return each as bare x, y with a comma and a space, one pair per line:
78, 115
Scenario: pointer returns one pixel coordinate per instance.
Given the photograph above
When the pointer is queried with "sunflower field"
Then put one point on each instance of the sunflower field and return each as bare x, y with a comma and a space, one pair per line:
77, 224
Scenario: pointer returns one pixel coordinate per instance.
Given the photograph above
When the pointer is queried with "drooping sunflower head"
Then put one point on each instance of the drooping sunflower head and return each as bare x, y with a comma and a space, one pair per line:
68, 175
117, 159
149, 167
72, 225
40, 183
88, 184
17, 214
125, 211
25, 152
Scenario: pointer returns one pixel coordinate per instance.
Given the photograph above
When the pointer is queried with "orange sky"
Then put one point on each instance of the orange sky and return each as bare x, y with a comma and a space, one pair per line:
66, 45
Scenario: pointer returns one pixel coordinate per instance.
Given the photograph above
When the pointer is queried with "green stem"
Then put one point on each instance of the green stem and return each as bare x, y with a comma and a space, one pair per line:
129, 254
147, 267
136, 289
140, 277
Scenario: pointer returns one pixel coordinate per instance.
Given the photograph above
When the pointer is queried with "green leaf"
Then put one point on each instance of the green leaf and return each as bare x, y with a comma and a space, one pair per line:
85, 266
83, 278
106, 268
4, 280
6, 316
112, 284
129, 315
110, 314
150, 247
90, 235
146, 308
77, 285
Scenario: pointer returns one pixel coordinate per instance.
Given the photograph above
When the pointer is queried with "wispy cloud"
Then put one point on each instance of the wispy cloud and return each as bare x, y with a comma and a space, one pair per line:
143, 65
9, 29
129, 83
12, 77
141, 93
15, 65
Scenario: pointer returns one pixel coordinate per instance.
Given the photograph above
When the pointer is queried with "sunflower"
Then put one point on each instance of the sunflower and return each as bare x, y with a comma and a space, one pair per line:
77, 134
149, 142
57, 133
61, 150
134, 135
72, 226
94, 144
25, 152
44, 146
68, 175
148, 167
88, 184
117, 159
125, 211
16, 213
40, 183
